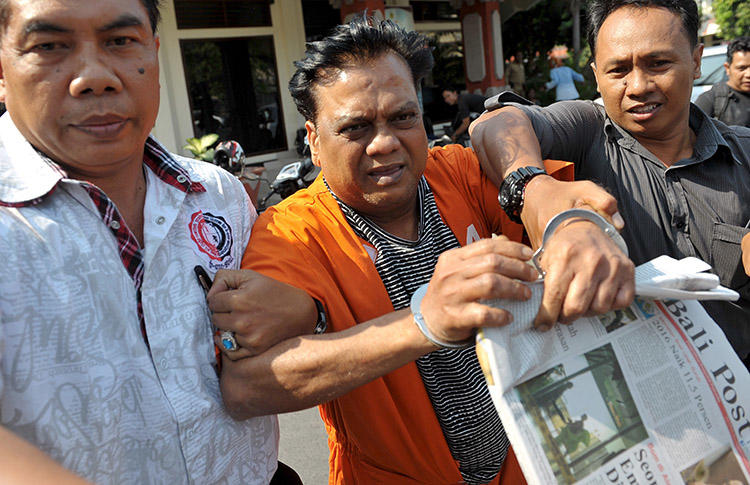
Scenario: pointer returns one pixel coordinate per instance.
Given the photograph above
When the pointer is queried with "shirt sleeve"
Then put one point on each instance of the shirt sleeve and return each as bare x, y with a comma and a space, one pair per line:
463, 108
554, 80
577, 76
565, 129
706, 102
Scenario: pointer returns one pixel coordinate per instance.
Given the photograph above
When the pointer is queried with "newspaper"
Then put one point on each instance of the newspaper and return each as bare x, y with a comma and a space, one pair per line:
651, 394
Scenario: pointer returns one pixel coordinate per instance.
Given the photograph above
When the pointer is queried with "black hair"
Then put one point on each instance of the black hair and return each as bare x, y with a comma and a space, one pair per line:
152, 7
740, 44
361, 40
599, 10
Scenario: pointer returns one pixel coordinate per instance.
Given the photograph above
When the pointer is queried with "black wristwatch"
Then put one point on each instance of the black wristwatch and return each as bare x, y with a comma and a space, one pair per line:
512, 191
322, 323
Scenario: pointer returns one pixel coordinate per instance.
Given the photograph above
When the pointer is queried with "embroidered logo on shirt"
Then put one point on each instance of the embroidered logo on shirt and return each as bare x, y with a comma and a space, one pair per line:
213, 236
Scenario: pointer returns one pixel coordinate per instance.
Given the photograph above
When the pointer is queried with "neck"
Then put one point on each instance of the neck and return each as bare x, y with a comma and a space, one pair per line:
126, 187
672, 149
403, 223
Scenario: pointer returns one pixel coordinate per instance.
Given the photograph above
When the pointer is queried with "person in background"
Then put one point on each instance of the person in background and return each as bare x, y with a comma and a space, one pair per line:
107, 362
729, 102
395, 374
562, 77
681, 179
517, 74
469, 106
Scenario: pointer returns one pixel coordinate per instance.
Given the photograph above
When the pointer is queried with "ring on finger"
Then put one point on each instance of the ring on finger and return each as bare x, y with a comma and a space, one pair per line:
228, 341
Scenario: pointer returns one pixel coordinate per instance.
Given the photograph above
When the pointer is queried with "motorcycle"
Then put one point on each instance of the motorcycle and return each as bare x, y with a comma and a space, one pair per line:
230, 156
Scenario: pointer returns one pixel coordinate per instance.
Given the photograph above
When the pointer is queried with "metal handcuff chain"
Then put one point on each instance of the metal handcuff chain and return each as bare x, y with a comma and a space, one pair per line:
566, 215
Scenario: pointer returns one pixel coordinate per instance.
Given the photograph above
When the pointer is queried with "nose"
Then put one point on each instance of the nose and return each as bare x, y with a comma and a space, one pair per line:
383, 143
94, 74
637, 83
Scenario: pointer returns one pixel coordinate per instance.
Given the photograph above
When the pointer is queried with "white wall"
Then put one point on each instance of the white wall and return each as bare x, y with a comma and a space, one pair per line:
174, 123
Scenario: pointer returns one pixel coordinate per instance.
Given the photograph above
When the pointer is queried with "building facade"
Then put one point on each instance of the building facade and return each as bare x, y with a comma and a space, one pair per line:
225, 64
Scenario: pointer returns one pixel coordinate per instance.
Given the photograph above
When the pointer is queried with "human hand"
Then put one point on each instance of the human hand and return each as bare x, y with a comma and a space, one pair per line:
545, 197
586, 273
486, 269
746, 253
259, 310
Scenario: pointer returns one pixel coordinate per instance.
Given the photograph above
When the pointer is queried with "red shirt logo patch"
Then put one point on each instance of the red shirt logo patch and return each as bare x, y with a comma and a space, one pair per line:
212, 235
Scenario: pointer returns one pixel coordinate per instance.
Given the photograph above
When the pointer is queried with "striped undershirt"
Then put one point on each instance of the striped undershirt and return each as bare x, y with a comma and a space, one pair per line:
452, 378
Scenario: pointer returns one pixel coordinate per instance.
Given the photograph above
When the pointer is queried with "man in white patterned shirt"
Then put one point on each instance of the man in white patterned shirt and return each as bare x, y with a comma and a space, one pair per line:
107, 362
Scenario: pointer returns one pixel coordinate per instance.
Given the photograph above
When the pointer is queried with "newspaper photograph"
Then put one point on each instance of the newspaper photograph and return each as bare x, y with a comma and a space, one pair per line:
650, 394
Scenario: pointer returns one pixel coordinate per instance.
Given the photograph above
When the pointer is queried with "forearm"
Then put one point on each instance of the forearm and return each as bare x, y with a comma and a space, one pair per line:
305, 371
22, 463
504, 140
462, 128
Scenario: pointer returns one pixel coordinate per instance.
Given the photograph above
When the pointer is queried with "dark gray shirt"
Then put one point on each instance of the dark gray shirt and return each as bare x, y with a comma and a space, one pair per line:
697, 207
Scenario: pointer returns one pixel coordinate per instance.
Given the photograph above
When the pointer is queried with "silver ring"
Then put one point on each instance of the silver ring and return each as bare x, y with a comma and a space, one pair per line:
228, 341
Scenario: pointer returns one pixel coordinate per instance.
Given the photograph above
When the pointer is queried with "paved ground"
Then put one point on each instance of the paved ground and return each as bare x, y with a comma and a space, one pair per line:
303, 445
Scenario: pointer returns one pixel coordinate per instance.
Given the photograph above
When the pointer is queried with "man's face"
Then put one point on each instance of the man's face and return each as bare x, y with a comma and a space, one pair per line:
80, 80
450, 97
739, 72
644, 68
368, 138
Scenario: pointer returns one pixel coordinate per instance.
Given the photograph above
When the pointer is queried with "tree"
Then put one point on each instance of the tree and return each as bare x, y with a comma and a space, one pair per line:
733, 16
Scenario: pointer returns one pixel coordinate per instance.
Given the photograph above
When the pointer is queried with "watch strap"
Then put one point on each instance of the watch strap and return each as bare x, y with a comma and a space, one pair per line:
322, 324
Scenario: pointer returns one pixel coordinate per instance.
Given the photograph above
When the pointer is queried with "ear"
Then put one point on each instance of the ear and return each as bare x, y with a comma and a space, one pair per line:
596, 76
697, 55
314, 141
726, 68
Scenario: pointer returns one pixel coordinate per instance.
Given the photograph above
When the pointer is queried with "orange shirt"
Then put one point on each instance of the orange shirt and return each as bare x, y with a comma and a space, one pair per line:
385, 431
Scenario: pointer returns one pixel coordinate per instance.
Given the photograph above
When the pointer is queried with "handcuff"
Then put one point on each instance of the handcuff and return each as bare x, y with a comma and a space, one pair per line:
566, 215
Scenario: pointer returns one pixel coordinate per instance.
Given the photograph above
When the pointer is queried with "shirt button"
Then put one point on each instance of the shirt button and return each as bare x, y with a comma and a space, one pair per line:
181, 179
114, 225
160, 220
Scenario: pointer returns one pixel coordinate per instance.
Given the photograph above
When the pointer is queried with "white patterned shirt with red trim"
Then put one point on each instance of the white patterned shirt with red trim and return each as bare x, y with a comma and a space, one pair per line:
106, 355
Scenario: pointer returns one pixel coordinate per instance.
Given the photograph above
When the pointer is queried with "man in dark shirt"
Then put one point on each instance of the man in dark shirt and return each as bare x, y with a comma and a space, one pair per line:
467, 104
681, 179
730, 101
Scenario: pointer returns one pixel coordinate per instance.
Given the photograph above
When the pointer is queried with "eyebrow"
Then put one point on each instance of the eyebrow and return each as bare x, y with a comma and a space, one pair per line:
42, 26
37, 26
410, 105
125, 20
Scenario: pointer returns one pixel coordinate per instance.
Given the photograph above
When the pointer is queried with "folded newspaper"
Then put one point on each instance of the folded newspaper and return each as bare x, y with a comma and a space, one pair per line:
651, 394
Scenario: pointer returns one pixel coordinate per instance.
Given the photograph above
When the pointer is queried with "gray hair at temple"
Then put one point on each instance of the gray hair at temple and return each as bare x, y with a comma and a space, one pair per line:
352, 44
687, 10
152, 7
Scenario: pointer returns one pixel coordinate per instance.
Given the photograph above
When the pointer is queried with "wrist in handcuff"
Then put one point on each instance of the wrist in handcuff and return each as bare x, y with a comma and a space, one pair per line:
419, 321
567, 217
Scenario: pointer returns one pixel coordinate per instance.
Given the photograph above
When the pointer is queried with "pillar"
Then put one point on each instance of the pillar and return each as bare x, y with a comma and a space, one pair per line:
481, 30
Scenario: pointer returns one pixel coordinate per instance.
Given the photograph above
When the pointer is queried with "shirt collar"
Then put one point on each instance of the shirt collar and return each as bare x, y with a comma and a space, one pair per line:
29, 176
708, 139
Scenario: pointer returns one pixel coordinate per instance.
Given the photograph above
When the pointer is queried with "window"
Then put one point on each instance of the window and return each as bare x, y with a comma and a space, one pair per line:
234, 91
204, 14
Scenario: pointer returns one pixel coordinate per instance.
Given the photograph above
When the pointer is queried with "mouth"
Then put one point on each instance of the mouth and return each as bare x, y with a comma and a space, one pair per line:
386, 175
642, 112
102, 126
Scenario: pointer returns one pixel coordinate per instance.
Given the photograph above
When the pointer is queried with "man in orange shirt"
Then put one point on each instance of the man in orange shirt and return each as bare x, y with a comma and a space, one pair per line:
396, 375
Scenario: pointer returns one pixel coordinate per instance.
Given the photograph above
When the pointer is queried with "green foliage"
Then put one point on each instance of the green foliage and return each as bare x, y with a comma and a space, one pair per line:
733, 16
447, 50
201, 147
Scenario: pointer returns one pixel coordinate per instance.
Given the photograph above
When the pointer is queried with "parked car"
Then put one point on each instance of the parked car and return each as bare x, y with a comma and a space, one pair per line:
712, 70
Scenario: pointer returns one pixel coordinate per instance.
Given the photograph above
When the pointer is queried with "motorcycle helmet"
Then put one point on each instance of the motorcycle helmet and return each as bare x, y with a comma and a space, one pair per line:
229, 155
